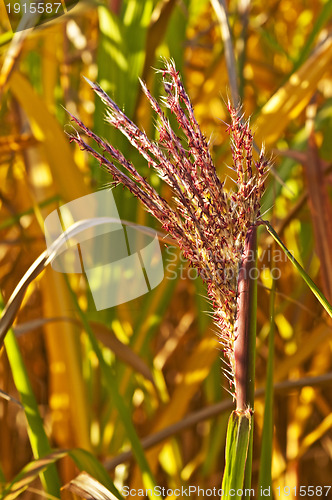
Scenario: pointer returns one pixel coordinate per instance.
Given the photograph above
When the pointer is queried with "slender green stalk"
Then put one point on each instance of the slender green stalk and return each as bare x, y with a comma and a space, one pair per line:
37, 436
244, 8
265, 476
220, 9
111, 386
315, 290
251, 352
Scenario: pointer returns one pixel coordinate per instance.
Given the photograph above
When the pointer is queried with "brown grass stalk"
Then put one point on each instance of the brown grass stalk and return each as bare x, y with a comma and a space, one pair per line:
242, 351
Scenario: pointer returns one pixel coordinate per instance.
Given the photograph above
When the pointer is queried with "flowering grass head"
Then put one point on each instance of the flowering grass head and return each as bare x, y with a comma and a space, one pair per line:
209, 223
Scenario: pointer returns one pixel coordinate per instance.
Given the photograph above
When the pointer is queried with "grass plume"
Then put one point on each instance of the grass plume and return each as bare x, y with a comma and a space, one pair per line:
209, 223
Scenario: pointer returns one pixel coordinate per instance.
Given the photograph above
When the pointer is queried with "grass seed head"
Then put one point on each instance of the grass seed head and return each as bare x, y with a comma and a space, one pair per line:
209, 223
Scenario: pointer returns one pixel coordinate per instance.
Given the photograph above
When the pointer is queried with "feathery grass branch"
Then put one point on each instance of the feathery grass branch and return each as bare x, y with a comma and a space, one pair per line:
209, 223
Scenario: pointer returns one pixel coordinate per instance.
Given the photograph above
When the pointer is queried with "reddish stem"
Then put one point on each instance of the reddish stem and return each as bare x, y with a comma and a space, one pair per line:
247, 275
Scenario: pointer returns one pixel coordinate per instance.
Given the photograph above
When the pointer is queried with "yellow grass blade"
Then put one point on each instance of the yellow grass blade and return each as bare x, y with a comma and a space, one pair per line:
290, 99
4, 17
68, 398
55, 144
195, 371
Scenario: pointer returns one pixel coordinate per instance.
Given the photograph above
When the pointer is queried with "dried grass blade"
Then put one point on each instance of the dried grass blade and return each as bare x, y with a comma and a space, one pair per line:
122, 351
87, 487
290, 99
219, 7
321, 213
213, 411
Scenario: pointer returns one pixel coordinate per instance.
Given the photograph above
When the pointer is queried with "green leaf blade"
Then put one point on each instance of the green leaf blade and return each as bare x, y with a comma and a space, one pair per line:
237, 445
313, 287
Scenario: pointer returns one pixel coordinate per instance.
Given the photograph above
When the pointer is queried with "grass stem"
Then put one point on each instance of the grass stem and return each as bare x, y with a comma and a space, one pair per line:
245, 327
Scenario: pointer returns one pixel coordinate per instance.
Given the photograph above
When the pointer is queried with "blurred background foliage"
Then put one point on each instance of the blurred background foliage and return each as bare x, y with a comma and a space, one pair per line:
161, 348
